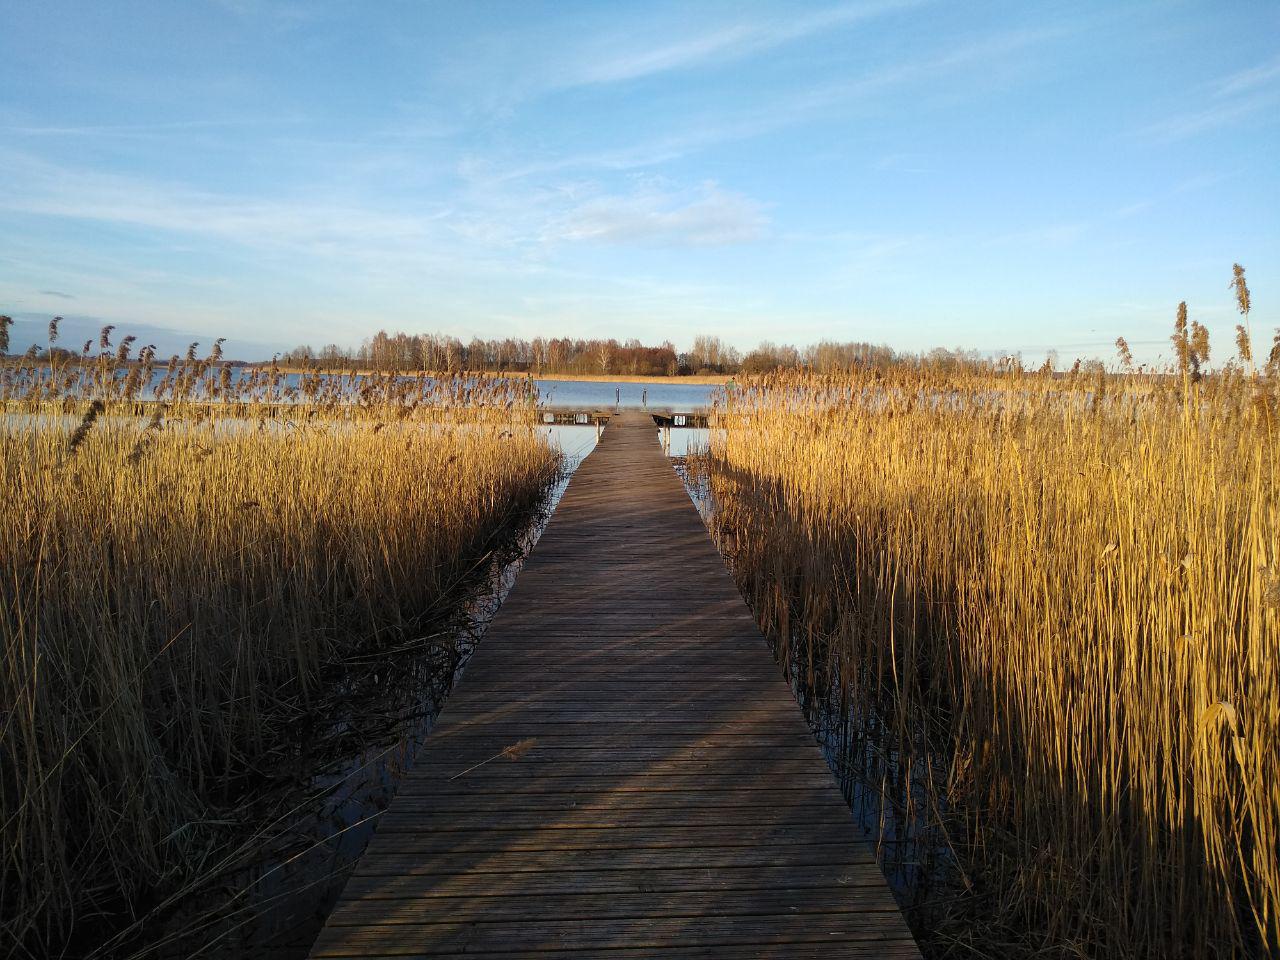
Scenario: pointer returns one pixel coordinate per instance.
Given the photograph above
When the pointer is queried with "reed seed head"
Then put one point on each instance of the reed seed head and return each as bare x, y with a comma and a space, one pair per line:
1122, 349
1241, 289
1243, 346
81, 432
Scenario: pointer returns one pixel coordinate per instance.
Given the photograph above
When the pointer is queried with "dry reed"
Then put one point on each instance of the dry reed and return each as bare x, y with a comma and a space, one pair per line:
1050, 603
175, 591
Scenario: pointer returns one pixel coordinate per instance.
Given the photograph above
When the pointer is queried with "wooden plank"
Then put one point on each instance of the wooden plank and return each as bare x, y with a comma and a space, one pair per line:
389, 859
411, 820
617, 906
567, 934
781, 797
666, 798
423, 839
870, 950
652, 881
559, 752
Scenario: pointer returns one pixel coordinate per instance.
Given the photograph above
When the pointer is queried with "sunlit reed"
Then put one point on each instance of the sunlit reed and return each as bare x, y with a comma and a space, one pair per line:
1051, 607
188, 553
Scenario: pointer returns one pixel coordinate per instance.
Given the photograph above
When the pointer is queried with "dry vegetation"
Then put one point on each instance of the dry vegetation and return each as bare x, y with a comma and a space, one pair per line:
177, 589
1050, 607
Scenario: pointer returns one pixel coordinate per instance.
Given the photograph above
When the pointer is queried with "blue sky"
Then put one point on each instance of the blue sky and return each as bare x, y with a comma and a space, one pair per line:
1004, 176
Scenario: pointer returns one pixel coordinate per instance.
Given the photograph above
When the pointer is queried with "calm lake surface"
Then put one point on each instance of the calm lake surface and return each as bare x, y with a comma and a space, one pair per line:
576, 442
676, 397
585, 394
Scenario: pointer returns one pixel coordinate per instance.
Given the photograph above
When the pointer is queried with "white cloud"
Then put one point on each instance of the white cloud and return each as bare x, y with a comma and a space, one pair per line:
1191, 124
724, 44
936, 71
496, 74
1235, 98
712, 217
34, 186
475, 233
1261, 75
162, 129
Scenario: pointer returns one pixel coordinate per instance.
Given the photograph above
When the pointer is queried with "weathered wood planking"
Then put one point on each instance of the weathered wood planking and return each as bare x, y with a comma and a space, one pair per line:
672, 803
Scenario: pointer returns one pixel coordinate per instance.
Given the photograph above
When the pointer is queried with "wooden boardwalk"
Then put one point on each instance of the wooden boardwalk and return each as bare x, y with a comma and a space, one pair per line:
672, 801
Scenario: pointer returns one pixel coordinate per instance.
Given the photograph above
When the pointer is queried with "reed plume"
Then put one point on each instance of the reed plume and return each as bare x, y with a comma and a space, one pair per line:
122, 352
1243, 346
168, 627
1181, 340
1241, 288
1043, 613
1126, 357
81, 432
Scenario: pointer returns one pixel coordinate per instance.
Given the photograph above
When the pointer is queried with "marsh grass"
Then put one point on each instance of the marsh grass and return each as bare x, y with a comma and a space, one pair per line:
1048, 610
179, 590
127, 383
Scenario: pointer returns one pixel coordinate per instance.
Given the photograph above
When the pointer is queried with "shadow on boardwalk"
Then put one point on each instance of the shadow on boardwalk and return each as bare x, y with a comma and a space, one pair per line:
666, 798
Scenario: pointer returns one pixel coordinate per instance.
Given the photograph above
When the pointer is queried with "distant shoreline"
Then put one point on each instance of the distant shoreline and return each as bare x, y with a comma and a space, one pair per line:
693, 379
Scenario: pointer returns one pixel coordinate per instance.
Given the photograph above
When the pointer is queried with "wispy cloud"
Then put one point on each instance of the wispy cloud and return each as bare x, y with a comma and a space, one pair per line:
931, 71
508, 232
500, 74
36, 186
902, 163
59, 294
1213, 117
652, 152
1234, 99
165, 128
1187, 185
1046, 235
936, 71
723, 44
1263, 74
713, 217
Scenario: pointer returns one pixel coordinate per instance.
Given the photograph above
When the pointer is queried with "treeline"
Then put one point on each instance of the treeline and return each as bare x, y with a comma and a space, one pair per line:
565, 355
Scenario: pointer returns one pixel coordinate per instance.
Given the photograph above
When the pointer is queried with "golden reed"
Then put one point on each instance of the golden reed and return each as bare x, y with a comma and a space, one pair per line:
179, 576
1059, 595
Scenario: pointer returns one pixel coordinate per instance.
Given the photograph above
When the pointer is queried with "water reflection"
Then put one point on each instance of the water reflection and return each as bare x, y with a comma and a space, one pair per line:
604, 395
576, 442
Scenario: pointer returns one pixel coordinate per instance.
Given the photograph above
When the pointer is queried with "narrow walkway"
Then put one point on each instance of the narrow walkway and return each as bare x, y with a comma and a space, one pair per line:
667, 798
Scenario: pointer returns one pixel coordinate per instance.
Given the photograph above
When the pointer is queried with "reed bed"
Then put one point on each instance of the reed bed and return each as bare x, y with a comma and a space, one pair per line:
1047, 609
130, 383
178, 592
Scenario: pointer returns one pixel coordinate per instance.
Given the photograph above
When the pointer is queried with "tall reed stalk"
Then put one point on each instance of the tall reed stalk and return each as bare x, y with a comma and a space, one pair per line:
177, 588
1051, 608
